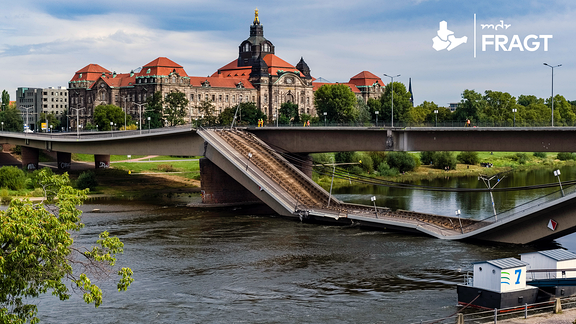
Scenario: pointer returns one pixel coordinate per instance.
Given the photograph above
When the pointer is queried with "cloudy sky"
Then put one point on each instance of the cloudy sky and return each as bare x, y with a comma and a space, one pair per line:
43, 43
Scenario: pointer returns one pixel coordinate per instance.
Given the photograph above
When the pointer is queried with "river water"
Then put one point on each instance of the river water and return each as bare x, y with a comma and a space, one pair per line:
196, 265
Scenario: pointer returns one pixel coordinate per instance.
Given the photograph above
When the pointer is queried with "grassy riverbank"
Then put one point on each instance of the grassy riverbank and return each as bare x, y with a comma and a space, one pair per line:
501, 161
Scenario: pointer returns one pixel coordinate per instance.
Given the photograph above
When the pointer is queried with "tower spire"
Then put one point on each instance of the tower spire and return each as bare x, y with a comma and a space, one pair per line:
256, 19
410, 90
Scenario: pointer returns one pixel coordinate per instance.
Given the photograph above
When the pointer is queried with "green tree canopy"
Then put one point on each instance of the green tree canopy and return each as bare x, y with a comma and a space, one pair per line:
52, 120
338, 101
288, 114
207, 111
498, 107
154, 110
5, 100
226, 116
402, 102
104, 114
12, 119
37, 255
176, 108
471, 104
248, 113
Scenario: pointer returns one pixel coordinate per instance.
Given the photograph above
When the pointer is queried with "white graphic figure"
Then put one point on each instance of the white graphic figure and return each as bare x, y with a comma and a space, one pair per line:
445, 39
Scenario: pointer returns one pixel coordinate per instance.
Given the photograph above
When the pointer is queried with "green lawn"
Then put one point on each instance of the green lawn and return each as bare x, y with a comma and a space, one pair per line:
90, 157
190, 169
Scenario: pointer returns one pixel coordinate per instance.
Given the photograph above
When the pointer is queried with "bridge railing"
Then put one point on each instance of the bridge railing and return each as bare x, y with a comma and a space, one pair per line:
92, 134
525, 207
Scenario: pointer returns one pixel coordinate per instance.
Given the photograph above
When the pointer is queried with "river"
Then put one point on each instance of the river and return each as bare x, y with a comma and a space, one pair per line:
196, 265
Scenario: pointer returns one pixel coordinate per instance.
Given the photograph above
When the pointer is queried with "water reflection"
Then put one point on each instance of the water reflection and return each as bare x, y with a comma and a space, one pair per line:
472, 205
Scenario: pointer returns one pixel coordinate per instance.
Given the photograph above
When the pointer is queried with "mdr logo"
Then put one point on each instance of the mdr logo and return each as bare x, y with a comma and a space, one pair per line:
491, 37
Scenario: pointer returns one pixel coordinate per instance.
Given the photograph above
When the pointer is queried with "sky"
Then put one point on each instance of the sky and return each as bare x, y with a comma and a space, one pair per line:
43, 43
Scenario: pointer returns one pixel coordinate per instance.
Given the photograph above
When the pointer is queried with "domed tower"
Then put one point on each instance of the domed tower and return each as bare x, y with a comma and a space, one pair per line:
303, 67
255, 46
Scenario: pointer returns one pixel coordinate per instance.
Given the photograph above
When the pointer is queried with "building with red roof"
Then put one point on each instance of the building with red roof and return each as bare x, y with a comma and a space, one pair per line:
258, 75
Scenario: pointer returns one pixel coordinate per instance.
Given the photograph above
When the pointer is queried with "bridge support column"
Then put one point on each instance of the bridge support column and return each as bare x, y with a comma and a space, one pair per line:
220, 188
303, 162
101, 161
30, 158
64, 160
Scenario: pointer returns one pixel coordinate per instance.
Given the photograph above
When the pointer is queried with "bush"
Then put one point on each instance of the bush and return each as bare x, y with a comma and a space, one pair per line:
521, 158
32, 181
323, 158
385, 170
377, 158
468, 158
401, 160
367, 165
344, 157
541, 155
565, 156
443, 160
166, 168
356, 170
87, 180
427, 157
17, 150
12, 178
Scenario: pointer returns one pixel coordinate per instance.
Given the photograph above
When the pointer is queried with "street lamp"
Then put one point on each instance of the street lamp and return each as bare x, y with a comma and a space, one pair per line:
2, 126
436, 113
373, 198
325, 113
148, 124
550, 66
377, 113
514, 111
275, 119
140, 114
77, 121
459, 220
392, 81
125, 111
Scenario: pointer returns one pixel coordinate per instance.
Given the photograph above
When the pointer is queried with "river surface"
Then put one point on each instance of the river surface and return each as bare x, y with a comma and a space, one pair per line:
196, 265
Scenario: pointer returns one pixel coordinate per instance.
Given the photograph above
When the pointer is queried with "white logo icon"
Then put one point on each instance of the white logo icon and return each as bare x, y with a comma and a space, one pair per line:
445, 39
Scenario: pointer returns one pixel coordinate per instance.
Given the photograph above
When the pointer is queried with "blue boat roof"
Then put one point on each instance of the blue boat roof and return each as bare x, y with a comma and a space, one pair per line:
505, 263
557, 254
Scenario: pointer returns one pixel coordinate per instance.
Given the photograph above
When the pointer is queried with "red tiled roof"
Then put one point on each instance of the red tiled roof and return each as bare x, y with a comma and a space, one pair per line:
90, 72
365, 78
232, 70
352, 87
121, 80
162, 66
220, 82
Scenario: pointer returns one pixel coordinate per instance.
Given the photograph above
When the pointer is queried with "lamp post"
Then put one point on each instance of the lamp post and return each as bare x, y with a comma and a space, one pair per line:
552, 67
373, 198
112, 128
377, 113
140, 114
392, 81
514, 111
436, 121
125, 111
77, 121
275, 119
459, 220
148, 124
2, 126
325, 113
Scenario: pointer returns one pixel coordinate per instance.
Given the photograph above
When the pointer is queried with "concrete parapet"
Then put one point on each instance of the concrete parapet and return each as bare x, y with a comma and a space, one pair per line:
64, 160
30, 158
101, 161
220, 188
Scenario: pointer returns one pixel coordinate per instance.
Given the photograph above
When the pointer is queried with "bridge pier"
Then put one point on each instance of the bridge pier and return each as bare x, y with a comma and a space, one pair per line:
304, 163
220, 188
64, 160
30, 158
101, 161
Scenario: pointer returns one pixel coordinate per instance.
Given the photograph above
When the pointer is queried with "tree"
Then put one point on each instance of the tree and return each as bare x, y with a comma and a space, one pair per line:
471, 104
154, 110
402, 102
104, 114
175, 111
12, 119
207, 110
338, 101
374, 106
37, 253
52, 120
288, 114
248, 113
226, 116
5, 100
364, 115
498, 107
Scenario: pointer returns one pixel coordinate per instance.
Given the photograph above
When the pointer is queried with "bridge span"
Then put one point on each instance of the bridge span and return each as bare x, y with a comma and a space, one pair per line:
249, 157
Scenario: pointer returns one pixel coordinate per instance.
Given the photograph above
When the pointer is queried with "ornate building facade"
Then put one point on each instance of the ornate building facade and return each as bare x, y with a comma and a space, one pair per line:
257, 75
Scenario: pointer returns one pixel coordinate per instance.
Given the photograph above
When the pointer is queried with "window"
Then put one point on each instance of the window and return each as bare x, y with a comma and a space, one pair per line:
206, 97
266, 47
265, 98
247, 47
220, 98
191, 97
139, 97
307, 100
226, 98
199, 97
213, 97
233, 99
239, 98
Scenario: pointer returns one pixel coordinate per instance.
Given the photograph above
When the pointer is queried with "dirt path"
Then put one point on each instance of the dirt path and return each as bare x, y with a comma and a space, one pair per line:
566, 317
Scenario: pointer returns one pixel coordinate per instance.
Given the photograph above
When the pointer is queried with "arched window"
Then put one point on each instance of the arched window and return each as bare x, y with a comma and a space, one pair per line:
266, 47
247, 47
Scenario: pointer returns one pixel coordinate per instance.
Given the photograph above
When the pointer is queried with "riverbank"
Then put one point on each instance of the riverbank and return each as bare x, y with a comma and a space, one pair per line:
567, 316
